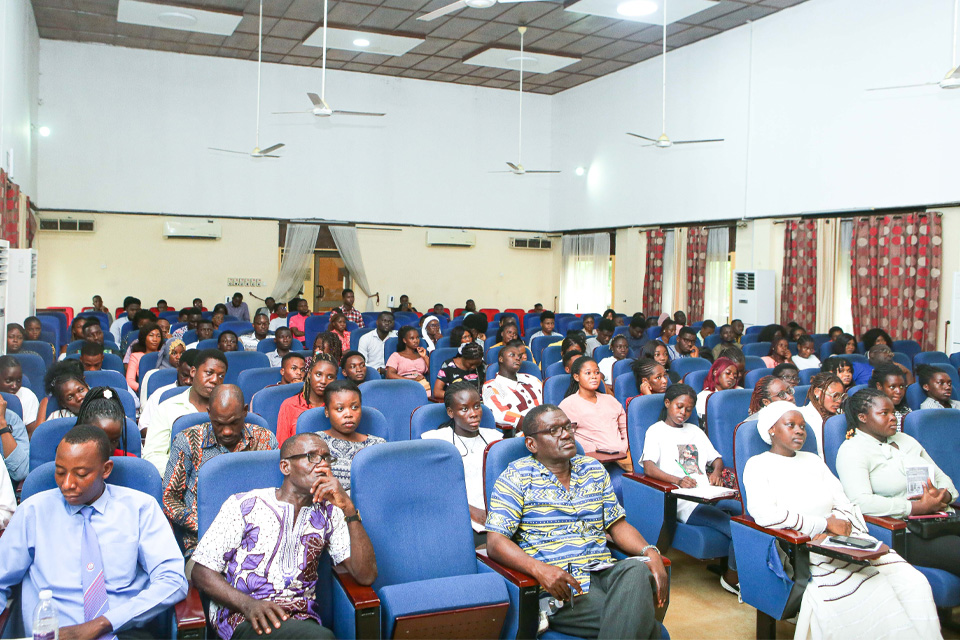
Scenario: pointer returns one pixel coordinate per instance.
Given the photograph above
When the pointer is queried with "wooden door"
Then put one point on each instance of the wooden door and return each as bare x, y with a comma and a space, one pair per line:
328, 275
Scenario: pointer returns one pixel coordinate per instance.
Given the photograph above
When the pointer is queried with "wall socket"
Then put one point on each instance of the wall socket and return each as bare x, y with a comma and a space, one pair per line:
244, 282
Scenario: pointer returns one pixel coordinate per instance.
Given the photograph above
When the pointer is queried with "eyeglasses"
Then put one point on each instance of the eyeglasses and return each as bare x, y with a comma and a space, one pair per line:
557, 428
315, 458
839, 397
786, 393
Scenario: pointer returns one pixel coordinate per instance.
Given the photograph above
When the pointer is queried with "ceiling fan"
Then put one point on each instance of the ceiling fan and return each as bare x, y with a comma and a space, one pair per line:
949, 81
664, 142
257, 151
518, 168
463, 4
320, 106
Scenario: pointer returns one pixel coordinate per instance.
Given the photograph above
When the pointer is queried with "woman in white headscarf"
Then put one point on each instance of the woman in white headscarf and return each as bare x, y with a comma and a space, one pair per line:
787, 488
430, 330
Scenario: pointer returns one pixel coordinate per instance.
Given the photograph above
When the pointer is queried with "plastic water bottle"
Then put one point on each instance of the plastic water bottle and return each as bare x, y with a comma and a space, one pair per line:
46, 620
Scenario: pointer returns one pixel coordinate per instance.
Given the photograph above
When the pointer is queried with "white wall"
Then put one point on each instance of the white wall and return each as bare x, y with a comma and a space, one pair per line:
19, 60
132, 129
816, 140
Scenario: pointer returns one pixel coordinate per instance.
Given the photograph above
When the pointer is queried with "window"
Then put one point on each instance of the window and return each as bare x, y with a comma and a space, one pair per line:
669, 273
716, 304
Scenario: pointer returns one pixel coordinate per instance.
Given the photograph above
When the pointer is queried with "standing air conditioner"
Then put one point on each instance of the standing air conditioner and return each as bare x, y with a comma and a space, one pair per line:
754, 295
21, 284
4, 262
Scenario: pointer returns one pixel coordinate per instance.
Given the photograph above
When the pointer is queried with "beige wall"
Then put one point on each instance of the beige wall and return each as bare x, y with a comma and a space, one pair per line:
949, 266
760, 246
128, 255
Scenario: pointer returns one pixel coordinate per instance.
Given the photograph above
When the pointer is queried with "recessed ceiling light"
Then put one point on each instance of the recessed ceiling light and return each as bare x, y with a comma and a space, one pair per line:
168, 16
510, 59
524, 57
176, 19
645, 11
362, 42
635, 8
580, 171
480, 4
44, 131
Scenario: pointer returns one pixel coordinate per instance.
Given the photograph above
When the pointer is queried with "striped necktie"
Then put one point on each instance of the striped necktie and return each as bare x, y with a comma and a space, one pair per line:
91, 572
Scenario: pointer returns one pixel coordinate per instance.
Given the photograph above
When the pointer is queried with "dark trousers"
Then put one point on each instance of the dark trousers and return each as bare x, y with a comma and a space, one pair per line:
618, 605
289, 628
717, 517
936, 553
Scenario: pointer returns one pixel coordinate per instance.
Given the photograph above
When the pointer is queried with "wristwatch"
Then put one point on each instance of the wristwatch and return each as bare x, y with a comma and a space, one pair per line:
354, 518
6, 430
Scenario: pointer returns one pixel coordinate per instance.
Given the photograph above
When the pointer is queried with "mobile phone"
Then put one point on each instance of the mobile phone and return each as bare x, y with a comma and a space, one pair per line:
608, 452
856, 543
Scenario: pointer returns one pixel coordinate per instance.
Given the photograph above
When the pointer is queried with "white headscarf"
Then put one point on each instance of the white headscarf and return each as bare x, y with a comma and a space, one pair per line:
768, 416
423, 332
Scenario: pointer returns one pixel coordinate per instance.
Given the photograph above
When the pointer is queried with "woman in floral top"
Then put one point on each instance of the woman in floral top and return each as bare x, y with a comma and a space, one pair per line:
342, 406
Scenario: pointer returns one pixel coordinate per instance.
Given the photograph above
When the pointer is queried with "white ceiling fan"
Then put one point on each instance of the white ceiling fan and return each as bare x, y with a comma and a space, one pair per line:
463, 4
517, 168
320, 106
257, 151
664, 142
949, 81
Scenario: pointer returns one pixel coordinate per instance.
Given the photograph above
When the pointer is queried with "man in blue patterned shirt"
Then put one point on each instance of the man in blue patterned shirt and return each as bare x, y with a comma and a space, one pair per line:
548, 517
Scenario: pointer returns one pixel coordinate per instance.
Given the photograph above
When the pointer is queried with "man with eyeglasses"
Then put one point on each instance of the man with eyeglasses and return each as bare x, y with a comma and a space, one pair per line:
548, 517
686, 346
258, 560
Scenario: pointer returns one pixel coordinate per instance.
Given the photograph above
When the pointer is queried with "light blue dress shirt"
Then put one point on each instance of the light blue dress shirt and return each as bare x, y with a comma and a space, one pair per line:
142, 564
18, 462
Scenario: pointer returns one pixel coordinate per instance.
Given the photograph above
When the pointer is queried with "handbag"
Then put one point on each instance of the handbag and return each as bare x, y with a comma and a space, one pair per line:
929, 528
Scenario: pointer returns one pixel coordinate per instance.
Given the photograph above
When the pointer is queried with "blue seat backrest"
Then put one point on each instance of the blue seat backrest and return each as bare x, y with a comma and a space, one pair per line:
955, 359
52, 324
602, 352
909, 348
371, 374
269, 344
372, 422
74, 347
683, 366
357, 334
147, 361
758, 349
440, 546
807, 374
370, 318
209, 343
103, 318
13, 403
527, 367
749, 338
696, 379
123, 392
193, 419
652, 333
642, 413
224, 476
554, 369
712, 340
826, 350
490, 341
834, 435
621, 367
493, 353
725, 410
252, 380
238, 361
34, 369
239, 327
159, 379
267, 402
750, 380
550, 355
555, 386
531, 323
752, 329
390, 346
748, 443
443, 343
931, 357
110, 363
437, 358
538, 344
857, 387
105, 378
134, 473
625, 387
169, 316
397, 400
800, 394
47, 436
433, 416
915, 396
498, 456
753, 362
903, 359
938, 431
40, 347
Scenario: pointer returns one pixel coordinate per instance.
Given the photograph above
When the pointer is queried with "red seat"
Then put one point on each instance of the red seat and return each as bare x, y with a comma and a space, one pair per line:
489, 313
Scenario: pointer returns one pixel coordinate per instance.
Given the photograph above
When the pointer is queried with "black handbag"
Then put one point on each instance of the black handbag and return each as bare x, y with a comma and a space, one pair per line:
929, 528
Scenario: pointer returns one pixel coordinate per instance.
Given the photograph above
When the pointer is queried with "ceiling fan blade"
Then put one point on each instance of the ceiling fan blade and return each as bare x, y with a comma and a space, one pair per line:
515, 1
513, 166
357, 113
287, 113
904, 86
266, 156
541, 171
243, 153
696, 141
270, 149
500, 172
637, 135
315, 99
442, 11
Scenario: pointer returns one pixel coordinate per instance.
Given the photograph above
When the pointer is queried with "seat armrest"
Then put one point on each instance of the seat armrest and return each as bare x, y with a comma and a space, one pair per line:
517, 578
607, 457
188, 613
662, 485
614, 548
361, 597
5, 617
787, 535
886, 522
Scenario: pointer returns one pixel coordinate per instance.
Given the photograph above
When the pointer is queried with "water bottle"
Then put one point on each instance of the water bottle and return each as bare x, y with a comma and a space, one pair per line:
46, 621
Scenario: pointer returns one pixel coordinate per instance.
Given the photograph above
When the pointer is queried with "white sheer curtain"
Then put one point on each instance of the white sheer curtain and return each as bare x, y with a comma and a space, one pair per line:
298, 249
716, 303
669, 273
349, 247
828, 267
585, 287
842, 305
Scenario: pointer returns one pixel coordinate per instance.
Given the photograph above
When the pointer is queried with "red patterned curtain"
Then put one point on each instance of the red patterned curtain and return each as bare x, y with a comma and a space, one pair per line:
798, 290
896, 276
653, 277
9, 211
696, 272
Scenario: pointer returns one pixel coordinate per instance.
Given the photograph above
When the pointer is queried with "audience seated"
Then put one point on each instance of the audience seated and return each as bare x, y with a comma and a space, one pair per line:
11, 381
238, 309
227, 341
348, 311
506, 333
353, 367
14, 442
121, 566
788, 372
256, 593
791, 489
185, 370
889, 379
371, 343
321, 372
686, 346
657, 351
131, 306
548, 517
283, 340
768, 389
64, 382
102, 408
876, 478
589, 329
839, 367
226, 432
280, 319
338, 327
476, 325
547, 324
636, 336
938, 387
150, 340
296, 322
208, 372
91, 356
430, 332
15, 337
261, 331
724, 374
779, 353
619, 349
806, 353
204, 332
707, 329
825, 399
650, 376
467, 366
169, 358
510, 395
604, 334
410, 361
343, 407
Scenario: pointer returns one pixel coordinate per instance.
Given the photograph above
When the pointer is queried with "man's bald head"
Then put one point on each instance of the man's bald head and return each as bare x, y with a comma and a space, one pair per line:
228, 415
226, 395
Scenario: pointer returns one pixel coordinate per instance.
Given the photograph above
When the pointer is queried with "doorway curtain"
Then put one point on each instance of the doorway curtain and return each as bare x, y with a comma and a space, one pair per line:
653, 274
696, 272
298, 249
585, 284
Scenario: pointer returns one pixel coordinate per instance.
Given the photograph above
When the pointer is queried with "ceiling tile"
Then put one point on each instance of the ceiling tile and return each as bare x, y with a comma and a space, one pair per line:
557, 40
384, 18
456, 28
459, 68
69, 5
134, 31
526, 12
497, 84
638, 55
572, 80
547, 90
780, 4
621, 29
272, 8
293, 29
241, 41
649, 34
415, 73
691, 35
460, 49
306, 10
585, 45
492, 31
206, 39
372, 58
405, 61
250, 22
739, 17
298, 60
443, 77
557, 19
356, 66
608, 66
200, 49
491, 72
338, 54
104, 7
278, 45
434, 63
269, 57
725, 7
589, 24
615, 48
347, 14
470, 80
431, 46
388, 71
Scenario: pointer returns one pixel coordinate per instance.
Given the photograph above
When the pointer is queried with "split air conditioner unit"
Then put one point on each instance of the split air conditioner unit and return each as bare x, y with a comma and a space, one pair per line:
451, 238
4, 266
754, 296
192, 229
21, 284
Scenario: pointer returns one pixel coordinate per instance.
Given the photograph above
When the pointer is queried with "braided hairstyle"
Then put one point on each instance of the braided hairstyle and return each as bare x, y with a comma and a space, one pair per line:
331, 344
103, 403
643, 368
317, 359
61, 373
474, 351
821, 382
859, 403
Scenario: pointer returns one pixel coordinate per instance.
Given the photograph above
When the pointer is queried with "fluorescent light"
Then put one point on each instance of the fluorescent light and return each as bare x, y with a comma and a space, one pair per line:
44, 131
510, 59
580, 171
637, 8
362, 42
176, 19
150, 14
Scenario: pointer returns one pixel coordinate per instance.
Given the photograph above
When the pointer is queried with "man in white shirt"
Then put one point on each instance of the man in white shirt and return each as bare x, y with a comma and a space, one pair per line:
261, 331
371, 343
281, 319
11, 381
152, 402
131, 305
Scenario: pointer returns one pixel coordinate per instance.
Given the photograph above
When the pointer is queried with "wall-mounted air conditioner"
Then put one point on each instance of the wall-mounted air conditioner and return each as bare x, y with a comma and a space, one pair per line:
451, 238
4, 266
754, 295
21, 284
531, 243
192, 229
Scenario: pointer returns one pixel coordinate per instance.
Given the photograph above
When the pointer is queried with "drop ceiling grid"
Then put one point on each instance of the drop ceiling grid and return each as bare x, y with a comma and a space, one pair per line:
603, 45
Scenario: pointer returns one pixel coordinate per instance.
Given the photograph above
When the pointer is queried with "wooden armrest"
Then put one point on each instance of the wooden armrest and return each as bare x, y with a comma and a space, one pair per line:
606, 457
666, 487
361, 597
518, 578
189, 611
787, 535
893, 524
433, 398
478, 515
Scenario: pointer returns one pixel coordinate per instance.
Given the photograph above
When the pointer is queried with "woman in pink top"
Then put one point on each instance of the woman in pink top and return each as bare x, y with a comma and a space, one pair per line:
149, 341
410, 360
779, 353
338, 327
600, 418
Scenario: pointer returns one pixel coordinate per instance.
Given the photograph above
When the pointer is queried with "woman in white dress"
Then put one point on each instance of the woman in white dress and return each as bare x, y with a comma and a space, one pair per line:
791, 489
